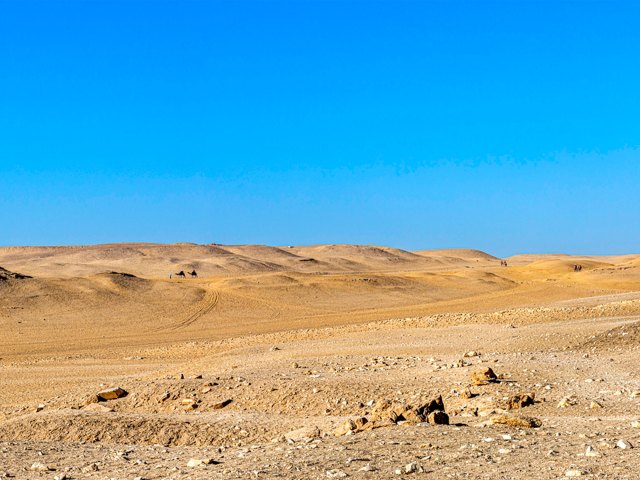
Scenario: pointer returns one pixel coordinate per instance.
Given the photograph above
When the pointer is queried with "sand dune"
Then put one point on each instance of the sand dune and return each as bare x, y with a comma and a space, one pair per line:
122, 292
457, 255
160, 260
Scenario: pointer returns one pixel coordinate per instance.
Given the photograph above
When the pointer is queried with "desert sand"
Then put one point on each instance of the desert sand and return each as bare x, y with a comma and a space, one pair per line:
323, 361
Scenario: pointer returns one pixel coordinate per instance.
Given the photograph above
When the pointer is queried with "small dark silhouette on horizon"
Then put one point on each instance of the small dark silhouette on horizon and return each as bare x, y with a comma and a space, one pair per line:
577, 268
181, 273
503, 263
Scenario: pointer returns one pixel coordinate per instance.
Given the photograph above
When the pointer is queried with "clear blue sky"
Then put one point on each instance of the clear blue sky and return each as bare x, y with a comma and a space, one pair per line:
505, 126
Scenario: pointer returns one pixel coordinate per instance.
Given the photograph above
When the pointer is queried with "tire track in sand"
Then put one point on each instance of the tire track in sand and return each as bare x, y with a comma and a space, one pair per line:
208, 303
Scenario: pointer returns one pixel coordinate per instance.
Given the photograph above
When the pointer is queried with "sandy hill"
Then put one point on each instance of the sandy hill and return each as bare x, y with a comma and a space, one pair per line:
566, 264
159, 260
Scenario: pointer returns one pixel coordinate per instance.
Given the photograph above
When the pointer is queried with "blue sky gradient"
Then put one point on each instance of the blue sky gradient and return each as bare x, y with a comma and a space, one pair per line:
506, 126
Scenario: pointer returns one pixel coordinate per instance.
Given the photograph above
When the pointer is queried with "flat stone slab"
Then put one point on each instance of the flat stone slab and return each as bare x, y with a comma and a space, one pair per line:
111, 394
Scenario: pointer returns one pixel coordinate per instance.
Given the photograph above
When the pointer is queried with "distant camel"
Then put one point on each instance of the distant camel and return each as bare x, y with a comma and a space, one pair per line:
180, 274
194, 274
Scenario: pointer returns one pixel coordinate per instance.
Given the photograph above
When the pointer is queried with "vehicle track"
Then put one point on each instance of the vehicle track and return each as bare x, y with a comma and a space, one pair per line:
208, 303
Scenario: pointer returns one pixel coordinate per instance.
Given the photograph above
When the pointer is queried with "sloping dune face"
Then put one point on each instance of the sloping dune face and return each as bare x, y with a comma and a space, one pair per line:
459, 255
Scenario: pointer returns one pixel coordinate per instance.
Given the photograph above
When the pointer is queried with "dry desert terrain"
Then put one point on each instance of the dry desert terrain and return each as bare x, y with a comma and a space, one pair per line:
316, 362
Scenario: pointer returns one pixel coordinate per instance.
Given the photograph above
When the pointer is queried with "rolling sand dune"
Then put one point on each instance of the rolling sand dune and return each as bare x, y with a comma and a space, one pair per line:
259, 362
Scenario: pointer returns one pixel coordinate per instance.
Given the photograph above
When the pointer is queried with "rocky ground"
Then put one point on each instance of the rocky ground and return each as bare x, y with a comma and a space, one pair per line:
290, 407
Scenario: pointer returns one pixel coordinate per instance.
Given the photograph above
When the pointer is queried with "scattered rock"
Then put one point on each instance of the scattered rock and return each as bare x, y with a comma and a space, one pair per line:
304, 433
623, 444
516, 421
438, 418
335, 473
387, 413
591, 452
467, 394
367, 468
111, 394
521, 400
197, 462
39, 467
573, 473
594, 404
483, 376
222, 404
567, 402
411, 467
472, 353
351, 426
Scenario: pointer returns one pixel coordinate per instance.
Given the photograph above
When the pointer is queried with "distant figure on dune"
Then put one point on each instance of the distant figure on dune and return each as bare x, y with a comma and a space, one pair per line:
577, 268
503, 263
194, 274
180, 274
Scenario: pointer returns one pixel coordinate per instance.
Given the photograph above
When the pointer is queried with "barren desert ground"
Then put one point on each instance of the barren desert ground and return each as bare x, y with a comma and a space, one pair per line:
316, 362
